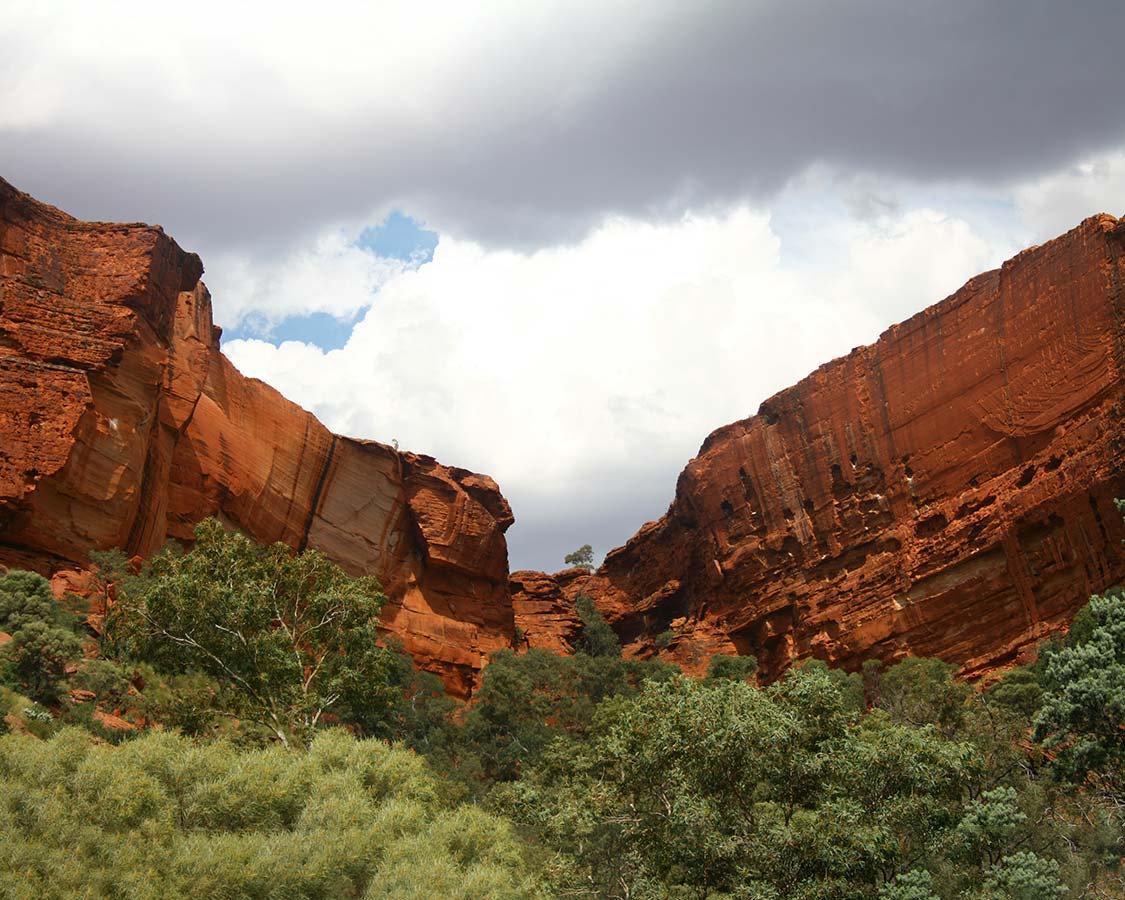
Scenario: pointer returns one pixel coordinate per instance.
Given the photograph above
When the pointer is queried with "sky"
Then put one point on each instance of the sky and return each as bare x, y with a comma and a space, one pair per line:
560, 243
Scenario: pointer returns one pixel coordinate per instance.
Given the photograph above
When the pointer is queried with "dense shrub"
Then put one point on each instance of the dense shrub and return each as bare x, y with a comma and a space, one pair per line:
287, 638
44, 638
164, 817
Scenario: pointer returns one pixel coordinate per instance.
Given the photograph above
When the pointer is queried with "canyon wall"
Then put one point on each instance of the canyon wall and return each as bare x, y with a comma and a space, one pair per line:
947, 491
122, 425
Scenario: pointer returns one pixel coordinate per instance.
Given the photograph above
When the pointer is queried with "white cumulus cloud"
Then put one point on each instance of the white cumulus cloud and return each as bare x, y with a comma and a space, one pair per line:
332, 275
584, 376
1061, 199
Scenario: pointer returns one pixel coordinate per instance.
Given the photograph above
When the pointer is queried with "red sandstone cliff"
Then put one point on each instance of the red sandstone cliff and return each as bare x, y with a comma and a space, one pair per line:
947, 491
121, 425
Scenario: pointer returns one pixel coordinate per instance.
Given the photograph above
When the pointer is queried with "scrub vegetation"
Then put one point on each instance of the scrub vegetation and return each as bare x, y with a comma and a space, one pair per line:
239, 729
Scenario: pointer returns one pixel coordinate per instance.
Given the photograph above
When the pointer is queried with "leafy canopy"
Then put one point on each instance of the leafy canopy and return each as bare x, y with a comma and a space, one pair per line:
290, 638
582, 558
1082, 709
597, 638
716, 788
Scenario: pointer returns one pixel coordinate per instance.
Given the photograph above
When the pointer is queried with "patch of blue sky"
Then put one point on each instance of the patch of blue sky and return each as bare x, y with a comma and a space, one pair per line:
400, 237
396, 237
325, 331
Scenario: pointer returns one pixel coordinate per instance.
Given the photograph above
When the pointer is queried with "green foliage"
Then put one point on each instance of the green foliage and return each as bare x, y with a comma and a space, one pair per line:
422, 714
923, 692
628, 779
1019, 691
43, 637
527, 701
716, 788
848, 684
163, 817
582, 558
597, 639
109, 681
288, 638
917, 884
1022, 876
1082, 713
990, 825
663, 640
736, 668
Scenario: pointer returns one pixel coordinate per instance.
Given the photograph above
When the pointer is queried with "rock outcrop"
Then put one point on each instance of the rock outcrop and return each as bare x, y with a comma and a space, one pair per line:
122, 425
543, 605
947, 491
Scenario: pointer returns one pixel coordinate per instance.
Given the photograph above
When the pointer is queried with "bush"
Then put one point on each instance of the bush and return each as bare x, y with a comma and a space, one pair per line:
717, 788
1082, 711
735, 668
663, 640
287, 638
44, 639
163, 817
597, 639
526, 701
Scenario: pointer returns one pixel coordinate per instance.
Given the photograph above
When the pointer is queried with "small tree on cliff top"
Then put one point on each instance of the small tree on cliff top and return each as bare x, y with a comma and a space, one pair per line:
582, 558
289, 637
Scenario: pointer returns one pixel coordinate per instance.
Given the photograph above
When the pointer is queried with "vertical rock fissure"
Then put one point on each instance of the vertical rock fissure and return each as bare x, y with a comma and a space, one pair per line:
314, 507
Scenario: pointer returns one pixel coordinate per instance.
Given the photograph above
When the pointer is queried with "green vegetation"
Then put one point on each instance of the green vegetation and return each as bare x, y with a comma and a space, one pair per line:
288, 638
44, 637
737, 668
597, 639
166, 817
582, 558
245, 733
664, 640
1082, 705
527, 702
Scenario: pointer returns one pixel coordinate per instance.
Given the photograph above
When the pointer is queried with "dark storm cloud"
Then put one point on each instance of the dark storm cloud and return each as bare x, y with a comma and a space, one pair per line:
704, 103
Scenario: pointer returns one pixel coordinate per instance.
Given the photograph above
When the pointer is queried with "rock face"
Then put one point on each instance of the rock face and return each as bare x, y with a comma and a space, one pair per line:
122, 425
544, 610
947, 491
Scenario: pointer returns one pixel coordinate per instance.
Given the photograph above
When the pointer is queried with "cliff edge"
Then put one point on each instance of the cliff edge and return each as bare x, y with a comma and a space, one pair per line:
946, 491
122, 425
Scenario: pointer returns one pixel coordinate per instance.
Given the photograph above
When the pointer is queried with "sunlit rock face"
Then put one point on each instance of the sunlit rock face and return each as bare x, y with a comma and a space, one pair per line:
122, 425
946, 491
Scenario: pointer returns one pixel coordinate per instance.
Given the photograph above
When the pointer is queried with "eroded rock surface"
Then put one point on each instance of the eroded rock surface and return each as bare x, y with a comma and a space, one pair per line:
122, 425
947, 491
546, 618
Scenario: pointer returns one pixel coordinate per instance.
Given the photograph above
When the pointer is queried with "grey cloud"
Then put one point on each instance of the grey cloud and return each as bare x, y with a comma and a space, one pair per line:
609, 511
709, 104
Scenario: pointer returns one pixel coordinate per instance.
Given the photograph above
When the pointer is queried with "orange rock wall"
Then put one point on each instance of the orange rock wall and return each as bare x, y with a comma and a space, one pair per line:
545, 615
947, 491
122, 425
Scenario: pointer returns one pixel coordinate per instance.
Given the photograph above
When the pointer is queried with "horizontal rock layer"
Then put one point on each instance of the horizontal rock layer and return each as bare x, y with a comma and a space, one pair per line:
947, 491
122, 425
